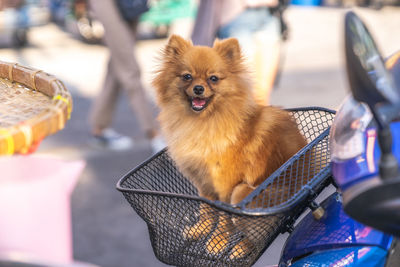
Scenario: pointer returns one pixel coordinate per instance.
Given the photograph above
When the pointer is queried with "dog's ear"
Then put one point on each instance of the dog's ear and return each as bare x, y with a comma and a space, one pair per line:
228, 49
177, 45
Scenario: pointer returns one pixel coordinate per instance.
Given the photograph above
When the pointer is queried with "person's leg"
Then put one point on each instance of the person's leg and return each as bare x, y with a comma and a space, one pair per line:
258, 33
102, 109
101, 114
120, 39
266, 60
139, 101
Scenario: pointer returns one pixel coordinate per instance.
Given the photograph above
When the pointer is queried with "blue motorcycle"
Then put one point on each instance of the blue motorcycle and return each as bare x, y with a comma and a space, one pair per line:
356, 150
365, 150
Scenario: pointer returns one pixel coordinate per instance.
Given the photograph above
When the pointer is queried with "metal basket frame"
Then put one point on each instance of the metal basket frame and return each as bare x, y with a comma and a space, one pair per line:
277, 219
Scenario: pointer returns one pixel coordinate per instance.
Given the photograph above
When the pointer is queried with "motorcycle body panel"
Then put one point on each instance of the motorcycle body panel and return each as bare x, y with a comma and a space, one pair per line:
364, 166
335, 231
359, 256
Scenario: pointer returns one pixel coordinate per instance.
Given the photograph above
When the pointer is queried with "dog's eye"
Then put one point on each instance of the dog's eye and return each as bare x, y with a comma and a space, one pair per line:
214, 78
187, 77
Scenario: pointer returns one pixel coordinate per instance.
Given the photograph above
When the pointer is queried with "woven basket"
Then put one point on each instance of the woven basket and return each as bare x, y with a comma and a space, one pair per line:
170, 204
33, 105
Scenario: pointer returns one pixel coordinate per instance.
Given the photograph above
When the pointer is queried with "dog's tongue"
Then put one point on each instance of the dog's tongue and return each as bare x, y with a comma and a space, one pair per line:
198, 102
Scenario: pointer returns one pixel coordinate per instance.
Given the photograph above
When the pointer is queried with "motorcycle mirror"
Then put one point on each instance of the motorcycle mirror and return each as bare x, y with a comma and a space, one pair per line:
375, 202
370, 82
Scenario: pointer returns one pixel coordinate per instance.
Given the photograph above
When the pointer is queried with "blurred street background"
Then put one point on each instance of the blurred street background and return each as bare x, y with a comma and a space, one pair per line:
106, 231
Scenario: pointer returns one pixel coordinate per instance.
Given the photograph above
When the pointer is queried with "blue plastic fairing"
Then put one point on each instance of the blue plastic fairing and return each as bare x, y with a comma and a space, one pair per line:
364, 166
350, 257
334, 231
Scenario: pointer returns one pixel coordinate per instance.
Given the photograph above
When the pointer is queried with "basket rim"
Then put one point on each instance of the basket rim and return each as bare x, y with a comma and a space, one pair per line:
240, 208
308, 108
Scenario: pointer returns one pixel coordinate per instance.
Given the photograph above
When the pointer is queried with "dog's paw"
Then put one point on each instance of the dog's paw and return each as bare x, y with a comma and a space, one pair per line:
219, 240
201, 229
241, 249
217, 243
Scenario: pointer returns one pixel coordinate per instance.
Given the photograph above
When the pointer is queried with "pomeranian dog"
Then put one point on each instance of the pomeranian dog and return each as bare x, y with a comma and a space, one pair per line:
220, 139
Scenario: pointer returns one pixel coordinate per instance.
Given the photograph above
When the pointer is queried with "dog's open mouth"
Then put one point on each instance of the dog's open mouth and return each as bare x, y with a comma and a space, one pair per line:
198, 103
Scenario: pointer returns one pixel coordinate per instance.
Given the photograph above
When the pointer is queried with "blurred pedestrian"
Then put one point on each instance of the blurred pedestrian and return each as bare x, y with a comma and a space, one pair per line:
259, 27
123, 72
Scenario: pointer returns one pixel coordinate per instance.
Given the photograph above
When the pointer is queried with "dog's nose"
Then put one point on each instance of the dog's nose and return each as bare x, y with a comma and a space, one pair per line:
198, 89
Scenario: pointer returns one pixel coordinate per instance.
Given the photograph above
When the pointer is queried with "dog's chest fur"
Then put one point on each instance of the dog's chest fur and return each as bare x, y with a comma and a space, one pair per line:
215, 155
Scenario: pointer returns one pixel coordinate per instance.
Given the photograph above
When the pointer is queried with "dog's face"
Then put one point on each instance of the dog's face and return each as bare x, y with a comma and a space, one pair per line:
201, 78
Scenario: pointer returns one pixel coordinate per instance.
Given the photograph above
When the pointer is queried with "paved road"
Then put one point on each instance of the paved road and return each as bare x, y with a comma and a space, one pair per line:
106, 231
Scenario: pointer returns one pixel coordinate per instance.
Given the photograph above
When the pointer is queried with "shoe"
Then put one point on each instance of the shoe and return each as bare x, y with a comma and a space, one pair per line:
157, 144
111, 140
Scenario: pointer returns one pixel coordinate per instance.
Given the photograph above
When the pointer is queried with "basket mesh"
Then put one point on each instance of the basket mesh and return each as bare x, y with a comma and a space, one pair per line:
187, 230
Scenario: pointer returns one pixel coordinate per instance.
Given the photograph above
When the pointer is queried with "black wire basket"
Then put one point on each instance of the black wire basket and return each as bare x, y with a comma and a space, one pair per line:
171, 206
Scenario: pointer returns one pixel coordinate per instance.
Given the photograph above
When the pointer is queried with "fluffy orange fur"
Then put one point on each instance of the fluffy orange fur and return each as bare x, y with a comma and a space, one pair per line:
233, 142
221, 140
